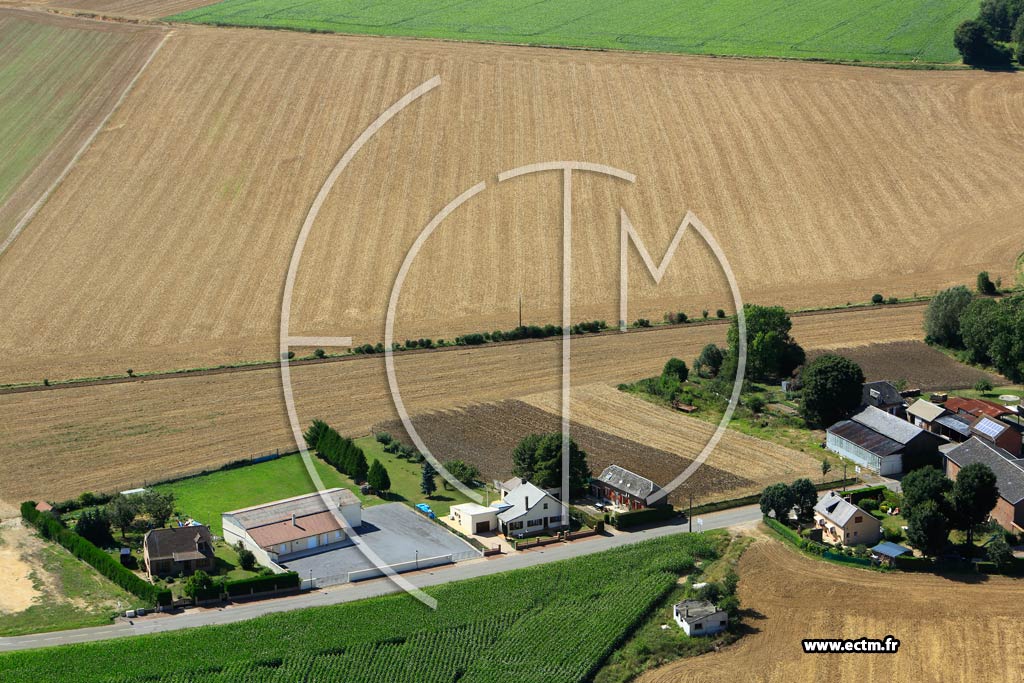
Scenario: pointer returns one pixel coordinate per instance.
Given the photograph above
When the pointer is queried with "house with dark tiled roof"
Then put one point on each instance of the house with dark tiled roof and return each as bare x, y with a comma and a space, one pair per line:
178, 550
623, 488
1009, 471
882, 442
884, 396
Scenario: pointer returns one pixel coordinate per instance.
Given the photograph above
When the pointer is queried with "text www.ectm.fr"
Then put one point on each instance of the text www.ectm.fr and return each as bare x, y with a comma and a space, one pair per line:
888, 644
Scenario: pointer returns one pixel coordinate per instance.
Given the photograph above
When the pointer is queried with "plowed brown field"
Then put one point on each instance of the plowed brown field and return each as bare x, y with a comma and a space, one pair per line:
823, 184
61, 442
614, 428
948, 630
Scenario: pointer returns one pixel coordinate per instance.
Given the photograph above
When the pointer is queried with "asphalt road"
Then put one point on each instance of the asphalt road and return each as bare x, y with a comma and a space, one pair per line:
368, 589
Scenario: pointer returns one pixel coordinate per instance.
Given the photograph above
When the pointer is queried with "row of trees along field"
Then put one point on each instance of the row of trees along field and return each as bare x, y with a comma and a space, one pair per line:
982, 329
346, 457
995, 37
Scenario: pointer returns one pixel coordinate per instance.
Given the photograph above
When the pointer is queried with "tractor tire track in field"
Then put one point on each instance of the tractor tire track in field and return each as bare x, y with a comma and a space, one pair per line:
34, 209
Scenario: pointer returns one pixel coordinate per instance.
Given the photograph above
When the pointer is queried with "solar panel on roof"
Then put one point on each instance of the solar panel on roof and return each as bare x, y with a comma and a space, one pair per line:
989, 428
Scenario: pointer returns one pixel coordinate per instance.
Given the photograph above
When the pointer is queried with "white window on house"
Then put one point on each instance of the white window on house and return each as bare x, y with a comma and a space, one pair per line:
698, 627
545, 506
535, 522
858, 519
555, 519
515, 525
337, 535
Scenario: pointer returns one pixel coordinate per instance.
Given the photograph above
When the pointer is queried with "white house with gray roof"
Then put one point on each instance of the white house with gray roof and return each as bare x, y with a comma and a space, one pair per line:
843, 522
623, 488
527, 510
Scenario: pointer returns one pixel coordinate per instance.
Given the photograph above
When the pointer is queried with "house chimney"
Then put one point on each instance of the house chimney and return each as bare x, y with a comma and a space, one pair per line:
527, 502
293, 519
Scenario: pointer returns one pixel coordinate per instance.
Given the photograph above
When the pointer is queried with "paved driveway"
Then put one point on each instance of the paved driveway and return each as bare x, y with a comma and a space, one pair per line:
395, 532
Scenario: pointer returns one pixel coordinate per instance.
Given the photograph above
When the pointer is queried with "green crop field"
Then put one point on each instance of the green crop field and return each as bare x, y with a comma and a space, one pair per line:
555, 622
888, 31
205, 497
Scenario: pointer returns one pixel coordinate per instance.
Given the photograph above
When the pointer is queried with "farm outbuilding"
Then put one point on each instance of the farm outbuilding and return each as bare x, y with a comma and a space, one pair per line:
700, 617
882, 442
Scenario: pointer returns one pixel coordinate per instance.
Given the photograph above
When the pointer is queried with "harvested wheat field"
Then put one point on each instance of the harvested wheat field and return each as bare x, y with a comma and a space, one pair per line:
614, 429
920, 365
794, 597
113, 437
822, 183
58, 78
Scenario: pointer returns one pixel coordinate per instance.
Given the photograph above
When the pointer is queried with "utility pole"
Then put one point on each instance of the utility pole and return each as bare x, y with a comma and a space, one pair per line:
689, 514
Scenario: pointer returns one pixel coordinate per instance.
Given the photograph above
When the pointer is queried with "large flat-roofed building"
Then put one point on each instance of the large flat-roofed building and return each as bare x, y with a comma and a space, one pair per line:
882, 442
288, 528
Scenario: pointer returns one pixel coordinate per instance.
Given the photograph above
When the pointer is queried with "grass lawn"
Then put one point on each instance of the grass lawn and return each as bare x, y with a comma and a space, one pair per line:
894, 524
205, 497
906, 31
74, 595
1009, 390
406, 477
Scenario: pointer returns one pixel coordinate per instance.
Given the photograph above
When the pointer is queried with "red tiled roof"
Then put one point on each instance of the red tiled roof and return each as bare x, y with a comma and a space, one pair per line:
43, 506
284, 531
976, 407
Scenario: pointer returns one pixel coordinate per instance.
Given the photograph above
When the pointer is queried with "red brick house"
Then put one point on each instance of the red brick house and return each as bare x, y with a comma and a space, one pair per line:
1009, 471
623, 488
179, 550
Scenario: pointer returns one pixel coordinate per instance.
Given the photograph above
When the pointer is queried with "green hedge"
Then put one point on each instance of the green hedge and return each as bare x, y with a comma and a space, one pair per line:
625, 520
914, 564
819, 549
857, 495
261, 584
788, 534
51, 528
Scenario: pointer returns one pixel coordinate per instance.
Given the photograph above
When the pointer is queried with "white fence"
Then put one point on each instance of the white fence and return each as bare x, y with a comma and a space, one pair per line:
398, 568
